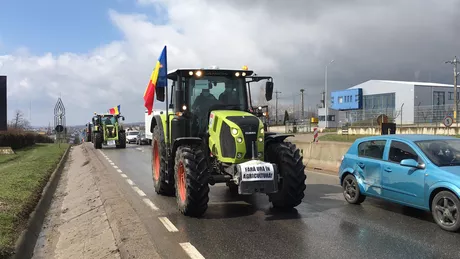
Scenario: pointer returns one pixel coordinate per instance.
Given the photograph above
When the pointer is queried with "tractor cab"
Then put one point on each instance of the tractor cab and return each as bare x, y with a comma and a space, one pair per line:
195, 93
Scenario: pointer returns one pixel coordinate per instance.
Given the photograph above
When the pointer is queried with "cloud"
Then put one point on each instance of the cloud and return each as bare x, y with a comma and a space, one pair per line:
397, 40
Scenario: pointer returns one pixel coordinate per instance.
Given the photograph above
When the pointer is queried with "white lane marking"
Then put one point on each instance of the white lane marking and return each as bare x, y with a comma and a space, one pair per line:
191, 251
116, 167
150, 204
112, 163
168, 224
139, 191
118, 170
130, 182
124, 176
138, 148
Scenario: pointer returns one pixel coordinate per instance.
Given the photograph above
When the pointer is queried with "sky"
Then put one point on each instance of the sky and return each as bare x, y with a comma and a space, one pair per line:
99, 54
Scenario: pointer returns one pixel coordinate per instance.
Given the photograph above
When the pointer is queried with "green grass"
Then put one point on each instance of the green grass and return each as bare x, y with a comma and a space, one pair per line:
23, 177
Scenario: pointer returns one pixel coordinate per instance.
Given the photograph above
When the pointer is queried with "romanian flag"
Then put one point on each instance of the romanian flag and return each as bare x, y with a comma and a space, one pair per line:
158, 78
115, 110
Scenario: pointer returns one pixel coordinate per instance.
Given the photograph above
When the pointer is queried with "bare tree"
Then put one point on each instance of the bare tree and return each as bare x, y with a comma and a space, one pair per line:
19, 121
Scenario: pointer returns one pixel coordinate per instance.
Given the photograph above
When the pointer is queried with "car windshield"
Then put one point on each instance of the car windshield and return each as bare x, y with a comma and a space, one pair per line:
133, 133
441, 152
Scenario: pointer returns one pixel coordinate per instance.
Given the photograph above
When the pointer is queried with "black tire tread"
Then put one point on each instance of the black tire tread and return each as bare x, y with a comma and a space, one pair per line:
161, 187
121, 140
290, 166
98, 140
197, 177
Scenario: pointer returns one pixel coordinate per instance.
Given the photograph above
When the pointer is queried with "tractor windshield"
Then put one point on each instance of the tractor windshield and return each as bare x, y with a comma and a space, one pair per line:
219, 91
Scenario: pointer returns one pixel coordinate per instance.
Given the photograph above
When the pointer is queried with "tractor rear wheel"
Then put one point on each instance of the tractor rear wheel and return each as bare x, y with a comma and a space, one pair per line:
98, 140
191, 179
121, 140
291, 168
159, 164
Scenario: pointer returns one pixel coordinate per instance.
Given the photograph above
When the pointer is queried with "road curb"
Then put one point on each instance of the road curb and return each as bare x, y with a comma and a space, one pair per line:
25, 245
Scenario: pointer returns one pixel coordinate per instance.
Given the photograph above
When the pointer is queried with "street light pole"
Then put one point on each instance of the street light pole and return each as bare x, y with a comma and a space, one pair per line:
301, 101
325, 93
455, 62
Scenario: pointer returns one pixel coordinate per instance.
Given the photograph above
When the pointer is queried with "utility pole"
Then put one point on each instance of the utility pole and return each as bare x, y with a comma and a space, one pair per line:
455, 62
301, 103
325, 94
276, 107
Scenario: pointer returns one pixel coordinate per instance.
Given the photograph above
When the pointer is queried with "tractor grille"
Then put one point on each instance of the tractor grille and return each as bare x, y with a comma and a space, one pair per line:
248, 124
227, 142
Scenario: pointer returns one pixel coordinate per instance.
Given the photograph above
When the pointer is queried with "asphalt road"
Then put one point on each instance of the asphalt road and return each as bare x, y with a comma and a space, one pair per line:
323, 226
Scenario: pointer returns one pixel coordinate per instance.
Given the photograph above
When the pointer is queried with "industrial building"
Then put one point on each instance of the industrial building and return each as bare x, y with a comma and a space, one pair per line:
402, 102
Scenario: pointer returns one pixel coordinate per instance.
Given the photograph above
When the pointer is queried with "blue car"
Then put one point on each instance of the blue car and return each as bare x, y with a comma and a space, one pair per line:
420, 171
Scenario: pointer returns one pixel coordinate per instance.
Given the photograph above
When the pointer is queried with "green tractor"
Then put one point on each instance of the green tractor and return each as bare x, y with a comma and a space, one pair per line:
108, 131
212, 136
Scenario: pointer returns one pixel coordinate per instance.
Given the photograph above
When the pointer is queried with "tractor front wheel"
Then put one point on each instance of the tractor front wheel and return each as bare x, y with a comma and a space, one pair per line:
121, 140
191, 178
159, 164
98, 140
291, 168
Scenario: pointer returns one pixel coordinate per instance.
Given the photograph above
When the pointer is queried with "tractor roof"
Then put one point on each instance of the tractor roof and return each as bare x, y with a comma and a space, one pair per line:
172, 74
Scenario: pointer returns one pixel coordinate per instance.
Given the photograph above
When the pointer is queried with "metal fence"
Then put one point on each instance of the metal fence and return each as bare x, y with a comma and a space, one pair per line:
434, 114
367, 117
428, 115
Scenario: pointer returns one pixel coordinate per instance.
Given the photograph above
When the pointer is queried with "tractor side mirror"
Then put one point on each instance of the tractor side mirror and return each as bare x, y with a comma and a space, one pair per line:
160, 93
269, 91
122, 118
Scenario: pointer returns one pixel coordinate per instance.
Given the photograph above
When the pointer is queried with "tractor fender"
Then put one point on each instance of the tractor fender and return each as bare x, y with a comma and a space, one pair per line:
185, 140
274, 137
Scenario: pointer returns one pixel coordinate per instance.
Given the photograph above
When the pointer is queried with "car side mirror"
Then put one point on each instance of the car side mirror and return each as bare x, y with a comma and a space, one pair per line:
269, 91
412, 163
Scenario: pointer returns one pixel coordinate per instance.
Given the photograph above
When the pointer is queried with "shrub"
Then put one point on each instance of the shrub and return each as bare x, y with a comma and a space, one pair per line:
21, 139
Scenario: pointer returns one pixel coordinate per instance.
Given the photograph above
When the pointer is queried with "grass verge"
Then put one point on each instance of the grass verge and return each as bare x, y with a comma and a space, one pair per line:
23, 177
340, 138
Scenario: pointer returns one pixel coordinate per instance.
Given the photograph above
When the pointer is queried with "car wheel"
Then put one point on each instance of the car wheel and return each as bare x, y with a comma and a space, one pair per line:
445, 209
351, 191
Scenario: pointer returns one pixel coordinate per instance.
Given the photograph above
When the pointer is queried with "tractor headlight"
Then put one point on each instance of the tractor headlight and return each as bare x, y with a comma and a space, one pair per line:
239, 140
262, 131
259, 155
234, 131
190, 73
198, 73
261, 139
237, 74
243, 74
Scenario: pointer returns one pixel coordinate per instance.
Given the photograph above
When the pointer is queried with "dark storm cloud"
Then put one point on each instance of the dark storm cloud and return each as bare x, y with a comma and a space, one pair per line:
394, 40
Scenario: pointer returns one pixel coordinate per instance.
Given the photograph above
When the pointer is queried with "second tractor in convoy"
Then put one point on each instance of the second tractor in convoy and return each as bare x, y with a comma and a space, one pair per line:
210, 136
107, 130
